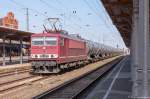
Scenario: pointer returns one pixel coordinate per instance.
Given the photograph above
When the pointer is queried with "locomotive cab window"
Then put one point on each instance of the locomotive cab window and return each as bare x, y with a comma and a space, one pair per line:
38, 41
51, 41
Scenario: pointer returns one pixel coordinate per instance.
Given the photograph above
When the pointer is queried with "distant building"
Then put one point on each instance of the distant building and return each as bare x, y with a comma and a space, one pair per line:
9, 21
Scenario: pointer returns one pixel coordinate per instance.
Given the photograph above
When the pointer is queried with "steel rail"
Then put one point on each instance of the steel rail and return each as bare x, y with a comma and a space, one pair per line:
71, 89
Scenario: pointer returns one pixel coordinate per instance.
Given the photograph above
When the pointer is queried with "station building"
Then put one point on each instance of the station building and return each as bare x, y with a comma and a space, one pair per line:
9, 21
13, 42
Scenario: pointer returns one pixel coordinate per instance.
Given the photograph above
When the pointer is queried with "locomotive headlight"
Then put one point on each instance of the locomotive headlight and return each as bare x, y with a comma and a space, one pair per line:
44, 48
36, 56
32, 56
53, 56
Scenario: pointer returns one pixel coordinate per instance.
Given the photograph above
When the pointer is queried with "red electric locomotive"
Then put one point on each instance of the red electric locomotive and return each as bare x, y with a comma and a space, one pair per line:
54, 51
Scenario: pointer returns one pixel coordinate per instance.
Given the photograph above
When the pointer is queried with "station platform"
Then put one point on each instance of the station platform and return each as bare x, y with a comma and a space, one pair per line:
116, 84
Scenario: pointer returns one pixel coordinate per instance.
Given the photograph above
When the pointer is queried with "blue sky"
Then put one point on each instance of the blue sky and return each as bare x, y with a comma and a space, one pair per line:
90, 20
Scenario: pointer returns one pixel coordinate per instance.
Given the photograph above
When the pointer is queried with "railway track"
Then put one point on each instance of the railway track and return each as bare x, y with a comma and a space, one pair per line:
8, 86
17, 71
14, 72
14, 81
74, 87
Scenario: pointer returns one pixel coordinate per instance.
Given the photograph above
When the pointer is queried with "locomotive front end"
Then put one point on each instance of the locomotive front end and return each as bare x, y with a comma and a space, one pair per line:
44, 53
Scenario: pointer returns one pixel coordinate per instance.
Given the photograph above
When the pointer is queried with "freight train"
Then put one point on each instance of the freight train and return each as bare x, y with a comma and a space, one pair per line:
56, 51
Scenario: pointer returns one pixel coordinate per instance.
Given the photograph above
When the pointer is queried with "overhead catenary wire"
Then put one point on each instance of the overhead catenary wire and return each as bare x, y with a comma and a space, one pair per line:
73, 22
43, 1
91, 8
65, 7
24, 7
108, 17
97, 14
48, 5
33, 12
101, 17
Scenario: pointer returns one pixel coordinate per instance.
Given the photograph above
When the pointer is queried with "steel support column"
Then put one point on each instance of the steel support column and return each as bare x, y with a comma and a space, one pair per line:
134, 48
4, 63
141, 48
10, 60
21, 53
28, 54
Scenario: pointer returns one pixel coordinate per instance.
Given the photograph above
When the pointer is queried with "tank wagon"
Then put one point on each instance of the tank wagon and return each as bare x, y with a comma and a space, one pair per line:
56, 51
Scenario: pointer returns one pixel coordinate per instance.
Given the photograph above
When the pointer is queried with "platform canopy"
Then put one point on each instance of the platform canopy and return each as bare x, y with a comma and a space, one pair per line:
14, 34
121, 12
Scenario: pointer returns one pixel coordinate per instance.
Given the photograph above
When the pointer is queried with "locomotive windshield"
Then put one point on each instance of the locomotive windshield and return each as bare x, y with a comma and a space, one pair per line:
38, 41
48, 41
51, 41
